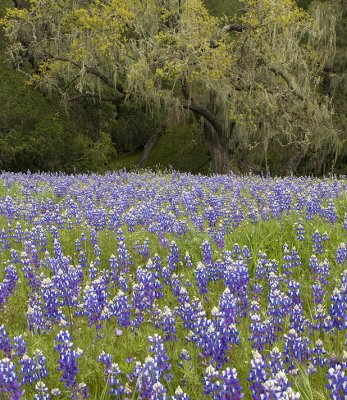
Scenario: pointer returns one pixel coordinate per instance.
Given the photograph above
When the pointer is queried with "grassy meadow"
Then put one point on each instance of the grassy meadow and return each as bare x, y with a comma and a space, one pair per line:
158, 285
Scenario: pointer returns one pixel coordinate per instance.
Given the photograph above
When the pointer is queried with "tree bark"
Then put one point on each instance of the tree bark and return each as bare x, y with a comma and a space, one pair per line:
20, 4
215, 135
219, 149
295, 159
148, 148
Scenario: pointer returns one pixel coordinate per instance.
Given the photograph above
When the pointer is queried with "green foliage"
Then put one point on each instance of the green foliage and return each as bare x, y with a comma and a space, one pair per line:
95, 155
222, 8
35, 133
133, 126
304, 3
168, 56
181, 148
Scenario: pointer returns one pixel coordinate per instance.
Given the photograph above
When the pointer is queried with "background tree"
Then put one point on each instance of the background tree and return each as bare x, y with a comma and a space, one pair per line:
247, 82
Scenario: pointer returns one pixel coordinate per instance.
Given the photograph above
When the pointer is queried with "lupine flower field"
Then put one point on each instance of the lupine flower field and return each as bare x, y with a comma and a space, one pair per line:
172, 286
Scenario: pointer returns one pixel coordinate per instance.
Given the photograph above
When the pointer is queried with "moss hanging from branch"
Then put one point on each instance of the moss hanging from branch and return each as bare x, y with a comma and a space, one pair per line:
259, 73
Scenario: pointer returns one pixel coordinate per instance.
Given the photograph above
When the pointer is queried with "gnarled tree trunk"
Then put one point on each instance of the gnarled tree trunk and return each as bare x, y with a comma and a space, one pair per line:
219, 149
215, 135
295, 159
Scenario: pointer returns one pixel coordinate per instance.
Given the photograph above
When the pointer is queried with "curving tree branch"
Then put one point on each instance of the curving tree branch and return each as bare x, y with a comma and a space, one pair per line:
92, 70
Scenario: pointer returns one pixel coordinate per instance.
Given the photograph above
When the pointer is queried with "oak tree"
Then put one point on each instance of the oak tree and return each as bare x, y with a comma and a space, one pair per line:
248, 81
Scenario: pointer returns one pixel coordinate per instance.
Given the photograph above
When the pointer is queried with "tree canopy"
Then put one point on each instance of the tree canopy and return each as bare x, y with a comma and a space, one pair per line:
248, 82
